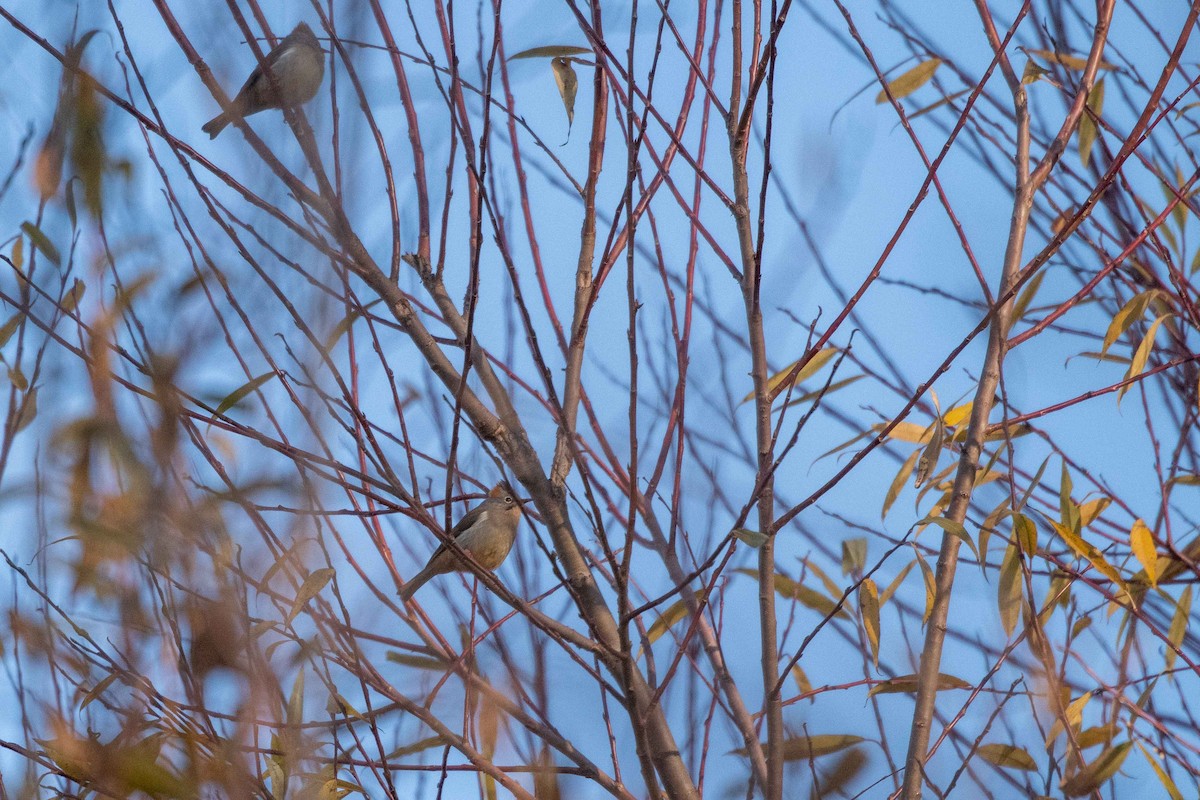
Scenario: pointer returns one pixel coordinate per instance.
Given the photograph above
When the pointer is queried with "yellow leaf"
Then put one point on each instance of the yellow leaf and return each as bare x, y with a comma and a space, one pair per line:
1087, 128
779, 381
568, 85
1071, 62
1007, 755
677, 611
868, 608
898, 482
1141, 355
1141, 541
907, 432
803, 748
930, 585
907, 684
1088, 551
312, 586
1074, 715
1179, 623
1009, 592
1172, 790
894, 585
910, 81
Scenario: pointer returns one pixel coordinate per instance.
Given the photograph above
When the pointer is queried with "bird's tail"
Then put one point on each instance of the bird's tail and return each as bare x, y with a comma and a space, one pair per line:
215, 125
409, 589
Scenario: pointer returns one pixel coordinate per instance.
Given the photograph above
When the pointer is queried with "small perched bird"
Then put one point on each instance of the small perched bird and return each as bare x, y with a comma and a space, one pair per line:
487, 532
297, 65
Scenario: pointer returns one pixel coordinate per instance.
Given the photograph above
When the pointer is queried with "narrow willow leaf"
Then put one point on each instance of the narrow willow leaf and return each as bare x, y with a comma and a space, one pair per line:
1008, 591
239, 394
802, 594
907, 684
1088, 551
1184, 480
779, 382
1088, 129
950, 98
953, 528
803, 684
989, 527
868, 607
10, 327
930, 585
1025, 299
907, 432
1007, 755
895, 584
71, 299
28, 412
830, 586
1073, 714
416, 747
18, 253
1025, 534
42, 243
1097, 734
1141, 355
1067, 510
910, 81
312, 586
1097, 773
898, 482
674, 613
1141, 542
1169, 785
295, 706
1071, 62
552, 51
1090, 511
568, 85
932, 453
959, 414
1179, 623
419, 662
802, 748
823, 392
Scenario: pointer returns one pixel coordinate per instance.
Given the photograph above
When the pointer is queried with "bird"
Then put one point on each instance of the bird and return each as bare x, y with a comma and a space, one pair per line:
297, 68
487, 532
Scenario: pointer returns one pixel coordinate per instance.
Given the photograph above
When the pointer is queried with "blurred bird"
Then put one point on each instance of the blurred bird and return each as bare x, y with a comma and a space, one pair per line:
297, 65
487, 532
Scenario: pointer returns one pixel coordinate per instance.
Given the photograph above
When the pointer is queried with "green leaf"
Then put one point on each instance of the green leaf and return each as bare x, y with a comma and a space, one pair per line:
1095, 774
239, 394
1007, 755
42, 242
312, 586
854, 555
910, 81
1033, 72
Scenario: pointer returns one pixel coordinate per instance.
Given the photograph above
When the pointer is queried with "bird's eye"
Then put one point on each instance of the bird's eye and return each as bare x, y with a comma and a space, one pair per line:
508, 499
